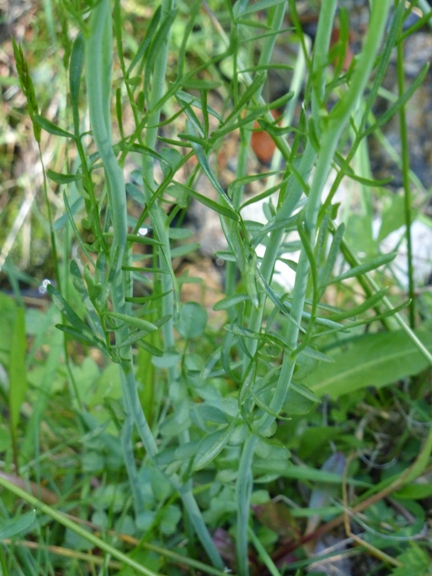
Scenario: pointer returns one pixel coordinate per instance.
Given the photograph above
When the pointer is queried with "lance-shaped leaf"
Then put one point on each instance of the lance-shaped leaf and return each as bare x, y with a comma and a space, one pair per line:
146, 41
212, 445
204, 163
50, 127
14, 526
80, 336
189, 99
215, 206
75, 73
80, 327
59, 178
81, 288
230, 301
133, 321
366, 267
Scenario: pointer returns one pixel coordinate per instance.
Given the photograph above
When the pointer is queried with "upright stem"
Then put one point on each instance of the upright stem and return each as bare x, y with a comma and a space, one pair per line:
276, 19
156, 214
98, 80
98, 70
169, 302
244, 487
333, 128
406, 183
245, 477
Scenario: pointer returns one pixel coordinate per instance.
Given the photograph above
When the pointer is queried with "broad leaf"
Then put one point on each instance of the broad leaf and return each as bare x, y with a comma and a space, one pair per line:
370, 360
14, 526
192, 321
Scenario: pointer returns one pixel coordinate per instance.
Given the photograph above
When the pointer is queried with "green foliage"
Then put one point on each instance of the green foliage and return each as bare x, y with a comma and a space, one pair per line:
14, 526
370, 360
176, 424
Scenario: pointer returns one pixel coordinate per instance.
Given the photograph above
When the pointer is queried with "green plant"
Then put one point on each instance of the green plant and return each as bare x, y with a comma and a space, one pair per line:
206, 405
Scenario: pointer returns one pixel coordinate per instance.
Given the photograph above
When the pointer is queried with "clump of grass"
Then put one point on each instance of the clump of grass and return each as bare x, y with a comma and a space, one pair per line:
201, 419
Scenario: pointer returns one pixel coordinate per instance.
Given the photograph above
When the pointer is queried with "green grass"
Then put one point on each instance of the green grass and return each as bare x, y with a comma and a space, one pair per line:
143, 435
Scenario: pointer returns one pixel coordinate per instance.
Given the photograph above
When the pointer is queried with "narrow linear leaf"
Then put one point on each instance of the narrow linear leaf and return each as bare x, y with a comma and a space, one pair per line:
261, 5
133, 321
304, 391
290, 263
154, 50
226, 358
366, 305
153, 350
194, 101
219, 208
192, 138
214, 359
247, 121
249, 380
316, 354
246, 97
87, 338
134, 338
306, 473
145, 299
212, 445
193, 120
145, 43
386, 116
373, 183
330, 261
75, 73
251, 282
138, 239
27, 86
144, 150
59, 178
230, 301
179, 251
263, 195
70, 211
202, 84
225, 255
17, 368
50, 127
366, 267
61, 305
81, 288
204, 163
179, 233
137, 269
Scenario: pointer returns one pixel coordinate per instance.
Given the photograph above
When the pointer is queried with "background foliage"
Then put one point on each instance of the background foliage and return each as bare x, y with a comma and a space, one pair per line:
230, 373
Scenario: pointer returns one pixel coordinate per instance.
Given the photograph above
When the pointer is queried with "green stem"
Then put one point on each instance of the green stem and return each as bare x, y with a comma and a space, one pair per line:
276, 18
320, 59
169, 301
331, 133
244, 486
98, 80
245, 477
403, 134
